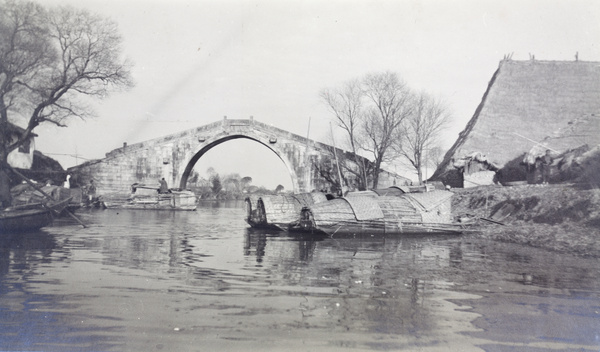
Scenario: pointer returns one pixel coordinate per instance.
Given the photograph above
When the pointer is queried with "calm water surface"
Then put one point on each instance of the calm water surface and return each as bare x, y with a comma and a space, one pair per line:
205, 281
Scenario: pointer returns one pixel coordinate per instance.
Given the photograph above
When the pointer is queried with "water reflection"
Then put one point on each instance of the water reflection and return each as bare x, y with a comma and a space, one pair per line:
255, 243
138, 280
373, 281
30, 319
389, 285
456, 256
25, 252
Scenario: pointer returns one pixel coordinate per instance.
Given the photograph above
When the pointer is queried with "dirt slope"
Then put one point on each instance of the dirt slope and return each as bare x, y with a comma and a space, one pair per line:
563, 218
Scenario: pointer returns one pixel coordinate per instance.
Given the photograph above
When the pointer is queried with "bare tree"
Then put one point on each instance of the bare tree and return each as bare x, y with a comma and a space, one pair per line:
245, 182
233, 182
370, 111
390, 100
420, 132
435, 156
326, 169
50, 61
279, 189
215, 183
346, 103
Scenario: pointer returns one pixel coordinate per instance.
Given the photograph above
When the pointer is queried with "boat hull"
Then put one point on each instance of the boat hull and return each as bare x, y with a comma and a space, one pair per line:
12, 221
171, 201
411, 213
378, 228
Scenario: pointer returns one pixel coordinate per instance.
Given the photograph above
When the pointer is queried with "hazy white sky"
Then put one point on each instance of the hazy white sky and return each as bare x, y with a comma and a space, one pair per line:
197, 61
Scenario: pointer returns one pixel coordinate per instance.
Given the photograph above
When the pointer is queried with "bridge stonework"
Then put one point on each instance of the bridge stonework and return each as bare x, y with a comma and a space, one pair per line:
174, 156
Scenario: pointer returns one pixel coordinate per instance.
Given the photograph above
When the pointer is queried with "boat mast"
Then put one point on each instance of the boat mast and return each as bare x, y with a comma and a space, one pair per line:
336, 160
306, 160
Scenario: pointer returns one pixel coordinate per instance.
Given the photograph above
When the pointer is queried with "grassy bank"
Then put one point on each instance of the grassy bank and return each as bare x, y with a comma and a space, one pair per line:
563, 218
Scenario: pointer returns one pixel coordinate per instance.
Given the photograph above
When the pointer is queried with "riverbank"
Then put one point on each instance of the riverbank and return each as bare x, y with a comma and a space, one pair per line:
562, 218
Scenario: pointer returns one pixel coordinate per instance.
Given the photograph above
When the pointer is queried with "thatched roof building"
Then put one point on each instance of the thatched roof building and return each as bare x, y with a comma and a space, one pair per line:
555, 104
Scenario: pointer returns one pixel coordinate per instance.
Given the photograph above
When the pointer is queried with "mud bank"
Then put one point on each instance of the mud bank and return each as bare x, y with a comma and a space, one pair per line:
563, 218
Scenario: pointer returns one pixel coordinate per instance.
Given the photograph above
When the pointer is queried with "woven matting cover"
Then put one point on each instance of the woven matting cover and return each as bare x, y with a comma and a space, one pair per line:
371, 194
428, 201
334, 210
403, 189
304, 198
318, 197
308, 199
281, 208
365, 208
392, 191
433, 217
399, 209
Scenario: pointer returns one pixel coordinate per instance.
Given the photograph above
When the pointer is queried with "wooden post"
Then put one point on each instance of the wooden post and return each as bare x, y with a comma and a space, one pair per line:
336, 161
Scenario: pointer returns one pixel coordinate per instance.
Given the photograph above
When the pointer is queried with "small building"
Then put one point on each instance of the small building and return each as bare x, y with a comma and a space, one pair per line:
476, 170
22, 157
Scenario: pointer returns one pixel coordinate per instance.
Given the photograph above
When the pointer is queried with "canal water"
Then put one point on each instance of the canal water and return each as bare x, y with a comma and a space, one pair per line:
205, 281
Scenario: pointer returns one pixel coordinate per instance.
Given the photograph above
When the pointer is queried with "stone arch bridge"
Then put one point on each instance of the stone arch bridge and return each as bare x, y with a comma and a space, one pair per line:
174, 156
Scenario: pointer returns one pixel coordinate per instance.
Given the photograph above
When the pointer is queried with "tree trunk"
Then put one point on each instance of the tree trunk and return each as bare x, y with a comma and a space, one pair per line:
376, 173
365, 179
5, 198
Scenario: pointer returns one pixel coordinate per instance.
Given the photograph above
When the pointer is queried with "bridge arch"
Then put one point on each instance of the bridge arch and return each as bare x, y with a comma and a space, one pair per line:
173, 157
215, 141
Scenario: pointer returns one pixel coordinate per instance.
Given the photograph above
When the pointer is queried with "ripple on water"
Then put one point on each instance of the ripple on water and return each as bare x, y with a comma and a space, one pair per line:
137, 280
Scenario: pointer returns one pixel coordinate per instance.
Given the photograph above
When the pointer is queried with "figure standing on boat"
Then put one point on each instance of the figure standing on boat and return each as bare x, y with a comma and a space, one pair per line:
164, 188
91, 191
67, 183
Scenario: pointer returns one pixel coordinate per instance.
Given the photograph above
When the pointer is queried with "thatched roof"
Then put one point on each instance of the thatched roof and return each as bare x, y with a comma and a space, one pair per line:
552, 103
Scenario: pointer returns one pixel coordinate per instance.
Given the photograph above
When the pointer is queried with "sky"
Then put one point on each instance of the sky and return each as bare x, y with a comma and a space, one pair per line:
198, 61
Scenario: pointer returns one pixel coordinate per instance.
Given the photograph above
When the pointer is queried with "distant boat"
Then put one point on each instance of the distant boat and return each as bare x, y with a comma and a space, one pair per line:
147, 197
409, 213
30, 216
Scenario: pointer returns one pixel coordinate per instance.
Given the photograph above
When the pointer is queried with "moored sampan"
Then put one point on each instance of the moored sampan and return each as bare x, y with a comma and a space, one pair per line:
427, 212
279, 211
